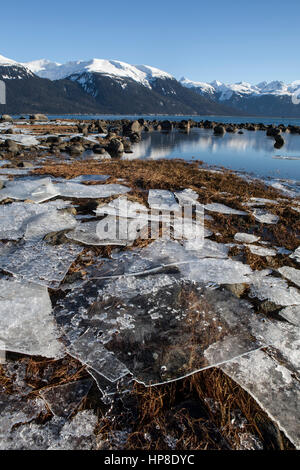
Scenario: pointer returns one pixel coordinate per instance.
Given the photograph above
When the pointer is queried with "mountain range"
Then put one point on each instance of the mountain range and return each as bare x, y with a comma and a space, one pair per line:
114, 87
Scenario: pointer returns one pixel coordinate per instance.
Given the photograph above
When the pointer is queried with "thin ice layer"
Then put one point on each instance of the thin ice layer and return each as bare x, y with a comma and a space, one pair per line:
36, 220
87, 178
275, 290
161, 199
90, 350
296, 255
56, 434
37, 190
283, 337
77, 190
63, 400
261, 251
186, 197
260, 201
122, 207
291, 314
274, 388
27, 324
15, 411
51, 221
291, 274
265, 217
164, 334
246, 238
108, 231
222, 209
40, 262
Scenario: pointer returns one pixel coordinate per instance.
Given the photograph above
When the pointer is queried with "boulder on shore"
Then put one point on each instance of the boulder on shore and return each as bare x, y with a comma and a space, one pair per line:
38, 117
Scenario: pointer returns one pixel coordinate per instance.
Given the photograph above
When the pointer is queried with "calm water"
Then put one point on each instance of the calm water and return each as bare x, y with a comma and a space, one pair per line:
252, 152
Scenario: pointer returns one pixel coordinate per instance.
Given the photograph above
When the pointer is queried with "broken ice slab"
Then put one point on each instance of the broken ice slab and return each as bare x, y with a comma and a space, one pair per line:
260, 201
163, 335
218, 271
89, 350
14, 411
161, 199
4, 162
15, 171
222, 209
77, 190
207, 248
109, 231
48, 222
186, 197
110, 389
265, 217
246, 238
291, 314
275, 290
26, 322
202, 263
58, 433
296, 255
261, 251
283, 337
122, 207
291, 274
63, 400
274, 388
36, 190
40, 262
87, 178
23, 139
18, 218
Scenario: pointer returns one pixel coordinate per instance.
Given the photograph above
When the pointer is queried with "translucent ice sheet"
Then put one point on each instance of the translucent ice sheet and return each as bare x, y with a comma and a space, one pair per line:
27, 323
273, 386
40, 262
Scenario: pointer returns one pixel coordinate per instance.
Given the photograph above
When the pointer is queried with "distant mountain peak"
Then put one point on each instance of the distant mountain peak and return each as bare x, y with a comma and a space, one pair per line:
115, 68
5, 61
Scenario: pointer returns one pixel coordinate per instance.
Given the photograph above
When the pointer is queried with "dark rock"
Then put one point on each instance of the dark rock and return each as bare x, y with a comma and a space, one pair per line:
76, 149
115, 148
53, 140
135, 137
11, 146
166, 126
132, 127
38, 117
98, 149
279, 141
273, 131
25, 165
6, 118
219, 130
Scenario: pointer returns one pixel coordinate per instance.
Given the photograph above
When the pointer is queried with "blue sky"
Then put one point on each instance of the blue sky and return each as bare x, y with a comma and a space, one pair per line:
203, 40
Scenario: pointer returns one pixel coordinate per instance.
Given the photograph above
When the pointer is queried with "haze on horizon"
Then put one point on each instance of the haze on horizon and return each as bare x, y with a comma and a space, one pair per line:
203, 41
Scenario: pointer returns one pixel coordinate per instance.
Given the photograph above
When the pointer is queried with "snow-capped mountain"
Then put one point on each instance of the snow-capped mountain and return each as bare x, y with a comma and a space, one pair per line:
115, 87
99, 86
223, 91
142, 74
12, 70
264, 99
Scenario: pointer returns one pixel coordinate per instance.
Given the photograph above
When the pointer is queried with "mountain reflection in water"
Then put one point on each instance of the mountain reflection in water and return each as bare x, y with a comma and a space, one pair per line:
252, 152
